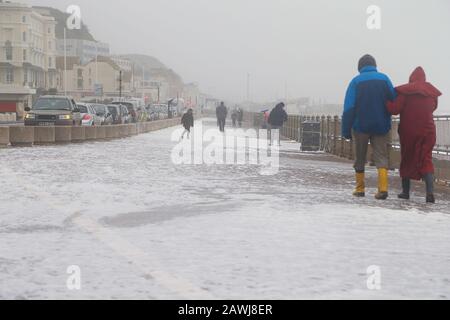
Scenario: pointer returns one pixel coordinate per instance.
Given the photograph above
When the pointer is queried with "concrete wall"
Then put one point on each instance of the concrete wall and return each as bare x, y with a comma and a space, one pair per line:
44, 135
21, 136
8, 117
28, 136
4, 137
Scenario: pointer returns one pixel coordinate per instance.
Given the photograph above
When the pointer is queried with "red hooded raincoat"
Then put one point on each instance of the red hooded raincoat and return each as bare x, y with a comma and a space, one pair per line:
415, 104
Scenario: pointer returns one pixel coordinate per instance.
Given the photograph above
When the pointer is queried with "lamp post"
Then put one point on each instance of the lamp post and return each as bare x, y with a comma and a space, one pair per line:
120, 85
65, 62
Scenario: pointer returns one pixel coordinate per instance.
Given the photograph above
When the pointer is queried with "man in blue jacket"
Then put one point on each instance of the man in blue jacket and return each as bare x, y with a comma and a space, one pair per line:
367, 119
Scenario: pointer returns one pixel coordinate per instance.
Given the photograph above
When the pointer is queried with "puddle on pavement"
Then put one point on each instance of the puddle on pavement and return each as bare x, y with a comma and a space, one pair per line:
163, 214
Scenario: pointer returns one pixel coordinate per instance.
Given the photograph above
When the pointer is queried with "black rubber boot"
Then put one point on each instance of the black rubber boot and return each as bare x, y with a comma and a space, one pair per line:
406, 186
429, 182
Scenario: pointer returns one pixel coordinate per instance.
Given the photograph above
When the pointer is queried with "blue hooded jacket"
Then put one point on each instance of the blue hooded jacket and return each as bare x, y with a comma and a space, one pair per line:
365, 108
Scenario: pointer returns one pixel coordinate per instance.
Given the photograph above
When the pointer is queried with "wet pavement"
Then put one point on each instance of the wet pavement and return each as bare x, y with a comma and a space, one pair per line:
140, 227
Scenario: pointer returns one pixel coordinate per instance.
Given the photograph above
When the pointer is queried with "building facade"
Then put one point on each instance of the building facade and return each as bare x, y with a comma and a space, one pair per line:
100, 77
85, 49
27, 55
192, 95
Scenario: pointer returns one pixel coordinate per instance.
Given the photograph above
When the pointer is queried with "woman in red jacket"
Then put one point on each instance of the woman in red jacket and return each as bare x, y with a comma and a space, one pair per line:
415, 104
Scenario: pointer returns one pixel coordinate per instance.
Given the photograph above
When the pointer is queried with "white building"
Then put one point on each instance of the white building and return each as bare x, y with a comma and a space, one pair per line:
85, 49
124, 64
27, 55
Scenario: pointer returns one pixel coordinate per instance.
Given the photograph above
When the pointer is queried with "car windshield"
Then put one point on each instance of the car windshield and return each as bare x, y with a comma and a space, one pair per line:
113, 110
100, 109
83, 109
52, 104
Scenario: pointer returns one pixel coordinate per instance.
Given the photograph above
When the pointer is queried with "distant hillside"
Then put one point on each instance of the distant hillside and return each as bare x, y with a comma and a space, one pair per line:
61, 18
145, 61
153, 67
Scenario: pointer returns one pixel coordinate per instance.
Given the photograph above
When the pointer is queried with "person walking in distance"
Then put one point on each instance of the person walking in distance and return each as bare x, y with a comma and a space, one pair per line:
416, 103
234, 117
367, 118
240, 116
277, 118
221, 113
188, 122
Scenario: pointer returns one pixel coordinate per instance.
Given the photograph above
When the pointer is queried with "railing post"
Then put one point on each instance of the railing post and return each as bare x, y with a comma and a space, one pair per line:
335, 134
341, 139
322, 133
328, 136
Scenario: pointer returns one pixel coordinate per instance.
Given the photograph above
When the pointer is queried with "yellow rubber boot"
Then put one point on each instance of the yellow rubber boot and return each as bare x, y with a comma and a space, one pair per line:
383, 184
360, 190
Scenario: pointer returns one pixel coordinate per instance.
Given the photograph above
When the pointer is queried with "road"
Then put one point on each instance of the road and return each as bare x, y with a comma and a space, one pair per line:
140, 227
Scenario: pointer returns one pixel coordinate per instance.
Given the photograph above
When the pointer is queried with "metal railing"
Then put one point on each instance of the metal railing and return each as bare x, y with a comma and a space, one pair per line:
332, 142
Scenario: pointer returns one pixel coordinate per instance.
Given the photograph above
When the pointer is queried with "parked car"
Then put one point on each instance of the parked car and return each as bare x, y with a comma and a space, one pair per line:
88, 115
162, 110
174, 111
143, 114
177, 107
104, 114
115, 112
132, 110
125, 114
53, 111
152, 113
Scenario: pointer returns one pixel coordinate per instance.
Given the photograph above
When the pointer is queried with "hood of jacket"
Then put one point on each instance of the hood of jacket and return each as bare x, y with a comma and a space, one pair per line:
418, 85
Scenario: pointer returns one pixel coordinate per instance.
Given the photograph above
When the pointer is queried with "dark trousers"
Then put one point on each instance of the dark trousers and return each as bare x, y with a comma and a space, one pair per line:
429, 183
221, 123
379, 146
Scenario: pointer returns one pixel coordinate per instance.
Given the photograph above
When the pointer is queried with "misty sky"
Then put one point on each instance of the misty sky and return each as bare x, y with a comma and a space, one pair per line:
312, 46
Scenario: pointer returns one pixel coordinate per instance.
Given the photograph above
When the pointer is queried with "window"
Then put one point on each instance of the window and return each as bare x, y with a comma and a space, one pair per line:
25, 77
24, 36
50, 62
9, 76
8, 50
24, 55
80, 73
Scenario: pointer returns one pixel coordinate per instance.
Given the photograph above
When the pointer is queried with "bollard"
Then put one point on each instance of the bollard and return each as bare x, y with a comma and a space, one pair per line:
21, 136
63, 134
90, 133
4, 137
44, 135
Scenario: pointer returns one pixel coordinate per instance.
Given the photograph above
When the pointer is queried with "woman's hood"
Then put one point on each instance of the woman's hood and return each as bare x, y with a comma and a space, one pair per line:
418, 75
418, 85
